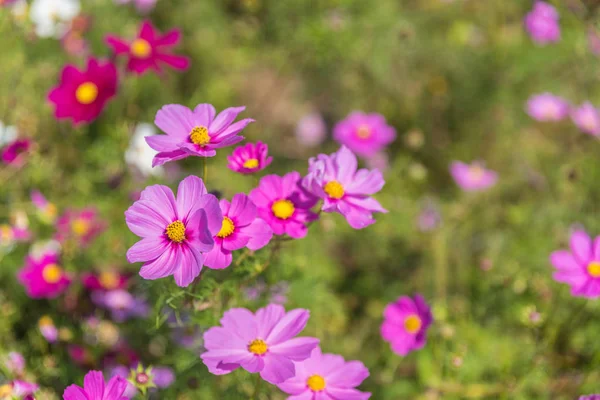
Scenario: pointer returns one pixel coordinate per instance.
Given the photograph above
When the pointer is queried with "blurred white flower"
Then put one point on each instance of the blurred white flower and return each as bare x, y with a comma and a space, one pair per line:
8, 134
51, 17
139, 154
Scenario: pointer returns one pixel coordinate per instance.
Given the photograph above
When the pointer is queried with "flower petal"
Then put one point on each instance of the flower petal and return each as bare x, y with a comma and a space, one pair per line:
190, 190
289, 326
268, 317
163, 266
277, 369
260, 234
74, 392
189, 268
147, 249
352, 374
115, 388
93, 384
581, 244
175, 120
224, 119
296, 349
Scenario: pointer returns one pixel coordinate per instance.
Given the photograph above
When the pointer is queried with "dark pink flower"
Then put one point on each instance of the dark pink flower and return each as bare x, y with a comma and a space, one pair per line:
364, 134
105, 280
149, 50
82, 95
80, 225
542, 23
15, 152
249, 158
94, 388
405, 324
43, 277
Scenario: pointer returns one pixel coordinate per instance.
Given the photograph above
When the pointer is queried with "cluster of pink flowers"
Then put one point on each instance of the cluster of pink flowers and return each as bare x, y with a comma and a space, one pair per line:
547, 107
542, 23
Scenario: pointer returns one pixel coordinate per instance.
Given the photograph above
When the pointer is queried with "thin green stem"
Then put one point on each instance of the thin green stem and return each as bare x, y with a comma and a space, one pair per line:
204, 169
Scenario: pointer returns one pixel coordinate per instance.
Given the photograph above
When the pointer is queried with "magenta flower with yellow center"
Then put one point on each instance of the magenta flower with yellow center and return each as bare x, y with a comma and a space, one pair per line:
579, 267
194, 133
405, 324
364, 134
264, 342
43, 277
81, 226
249, 158
174, 232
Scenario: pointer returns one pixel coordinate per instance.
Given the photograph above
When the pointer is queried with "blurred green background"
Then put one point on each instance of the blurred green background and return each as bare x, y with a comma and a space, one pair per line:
452, 77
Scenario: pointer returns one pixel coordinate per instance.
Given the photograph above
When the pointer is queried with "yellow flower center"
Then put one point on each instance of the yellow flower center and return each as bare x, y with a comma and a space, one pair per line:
283, 209
176, 231
251, 163
109, 280
140, 48
316, 383
227, 227
258, 347
199, 136
594, 269
412, 324
80, 226
87, 93
6, 233
45, 321
6, 390
52, 273
334, 189
363, 132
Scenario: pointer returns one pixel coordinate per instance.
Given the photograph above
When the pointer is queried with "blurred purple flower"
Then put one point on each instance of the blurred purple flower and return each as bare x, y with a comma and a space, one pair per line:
547, 107
15, 363
587, 118
122, 304
279, 293
542, 23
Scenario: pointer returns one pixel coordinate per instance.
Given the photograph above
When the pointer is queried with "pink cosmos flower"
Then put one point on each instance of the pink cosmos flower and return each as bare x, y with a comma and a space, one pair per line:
284, 204
579, 267
46, 210
105, 280
174, 232
587, 118
143, 6
82, 95
326, 376
149, 50
82, 226
194, 133
249, 158
364, 134
240, 228
18, 389
311, 130
15, 363
94, 388
474, 177
542, 23
48, 329
547, 107
405, 324
263, 342
343, 188
14, 153
43, 277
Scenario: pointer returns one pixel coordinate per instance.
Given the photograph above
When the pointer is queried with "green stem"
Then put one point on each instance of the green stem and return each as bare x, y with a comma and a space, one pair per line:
204, 169
256, 387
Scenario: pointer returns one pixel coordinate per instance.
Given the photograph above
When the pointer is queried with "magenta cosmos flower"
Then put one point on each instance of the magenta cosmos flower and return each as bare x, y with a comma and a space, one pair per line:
264, 342
174, 232
43, 277
547, 107
149, 50
18, 389
542, 23
343, 188
249, 158
94, 388
587, 118
364, 134
474, 177
14, 153
82, 95
284, 204
580, 267
326, 377
82, 226
240, 228
405, 324
105, 280
194, 133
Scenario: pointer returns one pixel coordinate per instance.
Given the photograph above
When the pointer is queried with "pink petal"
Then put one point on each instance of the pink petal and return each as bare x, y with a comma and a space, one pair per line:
210, 204
242, 209
253, 364
220, 338
166, 156
74, 392
143, 220
232, 130
306, 395
147, 31
346, 394
296, 349
352, 374
224, 119
240, 322
175, 120
118, 45
260, 234
268, 317
277, 369
235, 241
564, 260
115, 388
189, 268
289, 326
177, 62
147, 249
162, 200
218, 258
204, 114
163, 266
168, 39
199, 238
163, 143
596, 249
581, 244
93, 384
190, 190
365, 182
346, 163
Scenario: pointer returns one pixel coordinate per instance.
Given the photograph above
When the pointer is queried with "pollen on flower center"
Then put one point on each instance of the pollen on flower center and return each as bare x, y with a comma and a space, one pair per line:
283, 209
334, 189
412, 324
109, 280
251, 163
316, 383
258, 347
86, 93
80, 227
176, 231
363, 132
593, 269
52, 273
199, 136
140, 48
227, 228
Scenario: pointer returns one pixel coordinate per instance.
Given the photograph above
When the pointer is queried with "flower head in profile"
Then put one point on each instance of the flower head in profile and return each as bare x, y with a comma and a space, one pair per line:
195, 133
174, 232
284, 204
326, 376
405, 324
149, 50
364, 134
249, 158
43, 277
473, 177
143, 379
579, 267
344, 188
47, 211
51, 17
18, 389
82, 94
264, 342
15, 153
542, 23
94, 388
240, 228
139, 155
81, 226
587, 118
547, 107
311, 130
